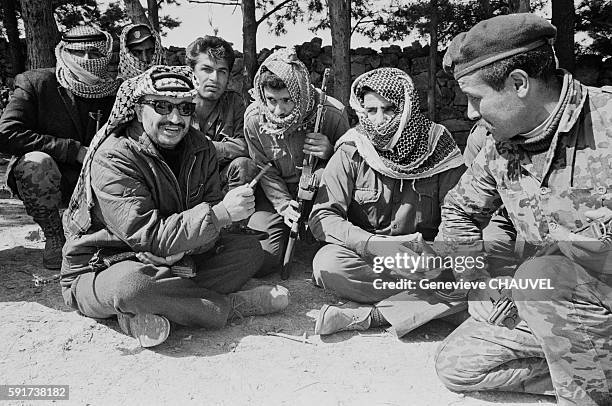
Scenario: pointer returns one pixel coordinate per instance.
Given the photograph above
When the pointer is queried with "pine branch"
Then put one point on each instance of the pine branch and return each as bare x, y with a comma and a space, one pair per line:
274, 10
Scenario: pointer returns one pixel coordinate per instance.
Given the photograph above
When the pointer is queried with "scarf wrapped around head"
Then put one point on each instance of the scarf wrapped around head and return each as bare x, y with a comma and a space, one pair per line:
160, 80
130, 65
88, 78
285, 64
408, 146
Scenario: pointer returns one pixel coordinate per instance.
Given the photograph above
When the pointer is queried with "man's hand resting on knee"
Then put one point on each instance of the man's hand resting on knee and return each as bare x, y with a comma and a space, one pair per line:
240, 202
150, 259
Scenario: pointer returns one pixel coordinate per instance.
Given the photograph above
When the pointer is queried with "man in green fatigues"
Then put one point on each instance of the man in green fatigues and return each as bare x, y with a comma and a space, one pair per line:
278, 127
548, 162
381, 191
220, 111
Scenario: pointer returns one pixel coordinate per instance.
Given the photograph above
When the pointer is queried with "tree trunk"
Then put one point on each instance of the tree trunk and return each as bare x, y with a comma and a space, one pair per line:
563, 17
136, 12
41, 32
249, 41
486, 8
433, 56
340, 19
520, 6
12, 32
153, 14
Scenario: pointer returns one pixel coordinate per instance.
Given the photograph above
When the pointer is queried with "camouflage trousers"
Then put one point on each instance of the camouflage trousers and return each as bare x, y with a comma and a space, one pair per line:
563, 346
42, 184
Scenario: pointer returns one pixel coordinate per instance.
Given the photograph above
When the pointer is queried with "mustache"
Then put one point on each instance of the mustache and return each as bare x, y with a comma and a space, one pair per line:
181, 125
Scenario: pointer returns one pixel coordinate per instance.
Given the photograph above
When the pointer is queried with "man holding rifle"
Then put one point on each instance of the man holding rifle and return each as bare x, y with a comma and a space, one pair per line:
279, 129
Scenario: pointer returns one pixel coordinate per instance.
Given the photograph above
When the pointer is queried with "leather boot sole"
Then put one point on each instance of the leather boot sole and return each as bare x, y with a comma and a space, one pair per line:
150, 329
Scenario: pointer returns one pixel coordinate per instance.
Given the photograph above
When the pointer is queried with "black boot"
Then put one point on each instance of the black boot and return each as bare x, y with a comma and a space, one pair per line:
51, 225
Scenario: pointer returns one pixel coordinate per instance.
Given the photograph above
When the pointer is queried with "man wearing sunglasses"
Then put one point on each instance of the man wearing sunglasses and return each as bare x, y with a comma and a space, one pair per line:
148, 197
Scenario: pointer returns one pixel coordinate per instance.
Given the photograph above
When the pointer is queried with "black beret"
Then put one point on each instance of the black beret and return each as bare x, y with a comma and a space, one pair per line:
494, 39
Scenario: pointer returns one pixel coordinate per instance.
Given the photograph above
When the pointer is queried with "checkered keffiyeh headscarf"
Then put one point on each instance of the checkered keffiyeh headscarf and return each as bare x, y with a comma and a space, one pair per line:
159, 80
88, 78
285, 64
408, 146
129, 65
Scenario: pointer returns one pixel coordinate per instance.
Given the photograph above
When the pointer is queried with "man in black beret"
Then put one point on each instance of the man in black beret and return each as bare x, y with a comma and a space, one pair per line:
547, 159
48, 124
139, 48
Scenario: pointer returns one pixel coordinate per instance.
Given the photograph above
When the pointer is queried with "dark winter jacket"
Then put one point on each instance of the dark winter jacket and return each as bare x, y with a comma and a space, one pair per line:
140, 205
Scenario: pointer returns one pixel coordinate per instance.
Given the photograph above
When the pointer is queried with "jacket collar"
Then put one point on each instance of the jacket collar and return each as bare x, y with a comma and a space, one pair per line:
70, 104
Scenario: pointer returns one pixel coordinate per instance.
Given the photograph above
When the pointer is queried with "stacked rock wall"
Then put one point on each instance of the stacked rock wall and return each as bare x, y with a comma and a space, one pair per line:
451, 103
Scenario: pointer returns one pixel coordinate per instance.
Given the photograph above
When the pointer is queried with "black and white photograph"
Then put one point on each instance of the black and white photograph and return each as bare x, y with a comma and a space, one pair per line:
306, 202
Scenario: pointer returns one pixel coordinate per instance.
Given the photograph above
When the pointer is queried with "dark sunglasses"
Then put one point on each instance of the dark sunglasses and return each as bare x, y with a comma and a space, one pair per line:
165, 107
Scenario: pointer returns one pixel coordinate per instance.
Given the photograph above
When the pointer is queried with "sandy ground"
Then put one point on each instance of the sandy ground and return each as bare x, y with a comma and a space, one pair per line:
44, 342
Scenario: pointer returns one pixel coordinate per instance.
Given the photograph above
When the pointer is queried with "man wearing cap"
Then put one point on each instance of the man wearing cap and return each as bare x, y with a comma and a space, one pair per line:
150, 191
48, 124
548, 161
278, 127
219, 110
139, 48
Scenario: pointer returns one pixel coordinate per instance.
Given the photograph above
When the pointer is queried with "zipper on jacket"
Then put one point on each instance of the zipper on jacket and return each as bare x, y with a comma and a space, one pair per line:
165, 165
188, 177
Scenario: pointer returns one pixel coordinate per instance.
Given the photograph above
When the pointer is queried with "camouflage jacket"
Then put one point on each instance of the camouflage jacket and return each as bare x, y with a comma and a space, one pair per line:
546, 193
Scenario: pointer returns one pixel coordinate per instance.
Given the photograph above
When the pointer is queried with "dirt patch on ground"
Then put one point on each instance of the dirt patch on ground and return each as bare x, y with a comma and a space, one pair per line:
44, 342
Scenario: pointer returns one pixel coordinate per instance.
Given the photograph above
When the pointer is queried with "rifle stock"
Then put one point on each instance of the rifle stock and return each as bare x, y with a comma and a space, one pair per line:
307, 186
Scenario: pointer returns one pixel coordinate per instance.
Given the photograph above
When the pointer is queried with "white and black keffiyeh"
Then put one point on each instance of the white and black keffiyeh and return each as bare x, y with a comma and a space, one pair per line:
408, 146
178, 82
285, 64
130, 65
88, 78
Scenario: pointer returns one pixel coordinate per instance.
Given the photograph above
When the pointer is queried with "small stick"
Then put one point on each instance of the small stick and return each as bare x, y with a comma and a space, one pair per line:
299, 339
260, 175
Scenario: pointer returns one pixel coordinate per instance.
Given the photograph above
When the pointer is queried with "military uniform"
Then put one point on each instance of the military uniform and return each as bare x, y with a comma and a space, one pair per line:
356, 202
554, 179
499, 235
279, 186
224, 125
546, 193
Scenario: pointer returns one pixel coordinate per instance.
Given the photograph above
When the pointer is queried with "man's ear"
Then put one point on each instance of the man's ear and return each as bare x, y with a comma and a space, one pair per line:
519, 79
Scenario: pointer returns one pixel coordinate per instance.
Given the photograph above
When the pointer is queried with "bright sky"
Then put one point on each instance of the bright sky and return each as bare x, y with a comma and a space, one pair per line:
199, 19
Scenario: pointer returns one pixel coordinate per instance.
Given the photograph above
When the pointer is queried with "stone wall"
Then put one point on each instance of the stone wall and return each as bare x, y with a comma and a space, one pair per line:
451, 103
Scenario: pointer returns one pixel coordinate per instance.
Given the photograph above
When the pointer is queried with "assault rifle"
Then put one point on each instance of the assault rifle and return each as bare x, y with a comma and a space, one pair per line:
97, 116
307, 186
